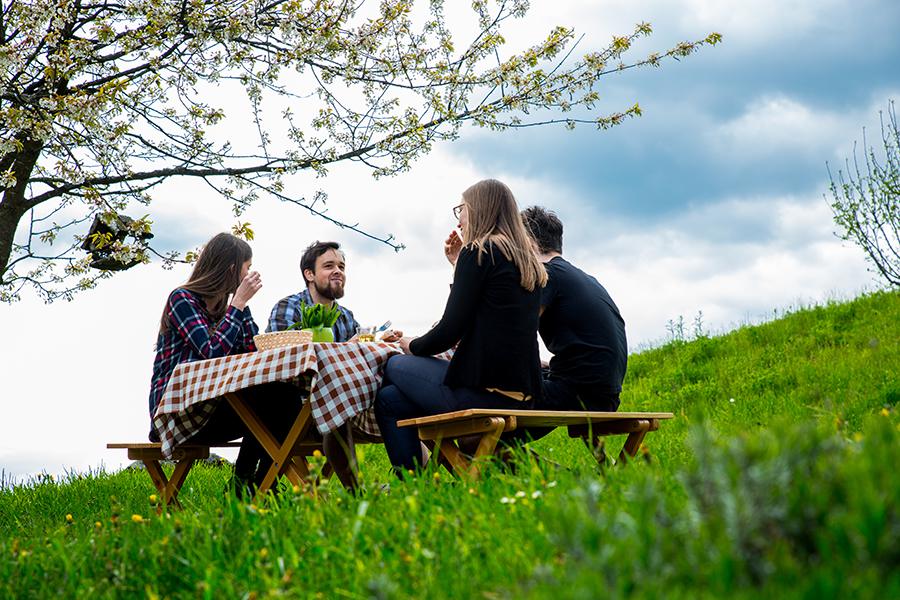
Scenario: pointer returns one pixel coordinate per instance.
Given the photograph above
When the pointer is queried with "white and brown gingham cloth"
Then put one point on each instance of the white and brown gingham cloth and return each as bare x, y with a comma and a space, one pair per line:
342, 379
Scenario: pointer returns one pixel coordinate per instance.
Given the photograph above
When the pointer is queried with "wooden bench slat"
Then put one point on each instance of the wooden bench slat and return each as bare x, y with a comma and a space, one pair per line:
590, 426
535, 418
157, 445
612, 427
150, 453
463, 427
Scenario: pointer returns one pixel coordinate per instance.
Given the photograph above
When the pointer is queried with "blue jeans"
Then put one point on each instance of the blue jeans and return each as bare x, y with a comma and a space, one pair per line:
414, 387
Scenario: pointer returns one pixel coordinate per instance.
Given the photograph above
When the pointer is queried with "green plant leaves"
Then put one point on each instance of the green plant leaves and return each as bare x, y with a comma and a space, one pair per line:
315, 316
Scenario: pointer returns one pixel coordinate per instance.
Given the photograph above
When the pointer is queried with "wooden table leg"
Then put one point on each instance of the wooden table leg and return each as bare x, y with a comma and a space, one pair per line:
486, 446
592, 435
451, 453
168, 488
286, 455
597, 446
440, 439
285, 460
437, 455
633, 442
184, 457
182, 467
160, 481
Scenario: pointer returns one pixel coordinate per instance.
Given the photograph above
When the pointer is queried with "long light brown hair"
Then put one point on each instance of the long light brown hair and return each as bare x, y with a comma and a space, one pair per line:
216, 275
493, 216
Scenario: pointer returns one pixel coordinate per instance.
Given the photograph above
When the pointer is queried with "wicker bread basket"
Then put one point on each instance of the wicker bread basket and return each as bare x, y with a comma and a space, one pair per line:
282, 339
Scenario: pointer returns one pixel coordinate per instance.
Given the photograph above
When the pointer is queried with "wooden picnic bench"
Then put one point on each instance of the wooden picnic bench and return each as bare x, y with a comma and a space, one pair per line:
441, 432
289, 457
185, 456
438, 432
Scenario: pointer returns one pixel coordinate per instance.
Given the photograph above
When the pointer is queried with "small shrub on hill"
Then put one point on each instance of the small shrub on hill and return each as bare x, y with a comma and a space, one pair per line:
797, 509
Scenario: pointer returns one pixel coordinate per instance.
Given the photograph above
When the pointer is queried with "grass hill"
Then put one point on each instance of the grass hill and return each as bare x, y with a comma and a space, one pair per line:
778, 477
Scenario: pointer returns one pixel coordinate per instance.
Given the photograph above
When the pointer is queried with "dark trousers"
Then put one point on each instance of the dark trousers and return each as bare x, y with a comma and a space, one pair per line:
558, 394
276, 404
413, 387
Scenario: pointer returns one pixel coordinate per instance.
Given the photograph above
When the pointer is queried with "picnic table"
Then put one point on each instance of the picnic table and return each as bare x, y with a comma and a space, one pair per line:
338, 380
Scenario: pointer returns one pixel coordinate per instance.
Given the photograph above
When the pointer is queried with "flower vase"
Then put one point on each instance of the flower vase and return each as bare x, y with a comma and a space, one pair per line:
321, 334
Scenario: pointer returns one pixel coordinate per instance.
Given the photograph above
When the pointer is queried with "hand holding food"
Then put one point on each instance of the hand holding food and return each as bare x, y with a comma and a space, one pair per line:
392, 335
404, 344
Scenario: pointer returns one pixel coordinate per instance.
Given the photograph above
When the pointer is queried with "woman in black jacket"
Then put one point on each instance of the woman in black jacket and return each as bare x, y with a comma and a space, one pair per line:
491, 317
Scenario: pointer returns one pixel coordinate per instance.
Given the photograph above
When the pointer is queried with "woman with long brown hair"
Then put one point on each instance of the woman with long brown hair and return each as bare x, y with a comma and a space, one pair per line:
208, 317
491, 317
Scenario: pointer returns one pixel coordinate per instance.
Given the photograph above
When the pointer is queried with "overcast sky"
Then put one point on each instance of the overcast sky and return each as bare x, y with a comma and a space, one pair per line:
712, 201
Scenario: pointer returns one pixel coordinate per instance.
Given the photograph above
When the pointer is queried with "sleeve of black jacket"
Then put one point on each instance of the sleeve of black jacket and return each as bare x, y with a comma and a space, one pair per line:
468, 280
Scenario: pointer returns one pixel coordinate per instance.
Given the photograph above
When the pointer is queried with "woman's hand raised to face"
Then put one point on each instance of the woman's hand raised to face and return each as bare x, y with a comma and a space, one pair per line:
251, 284
452, 246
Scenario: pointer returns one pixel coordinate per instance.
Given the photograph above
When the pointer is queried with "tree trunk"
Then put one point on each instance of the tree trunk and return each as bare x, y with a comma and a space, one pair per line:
14, 204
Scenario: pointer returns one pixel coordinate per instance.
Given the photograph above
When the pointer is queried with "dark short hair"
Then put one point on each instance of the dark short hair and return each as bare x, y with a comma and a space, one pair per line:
314, 251
545, 228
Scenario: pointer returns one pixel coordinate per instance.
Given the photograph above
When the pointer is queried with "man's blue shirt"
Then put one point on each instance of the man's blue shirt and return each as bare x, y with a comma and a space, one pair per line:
287, 312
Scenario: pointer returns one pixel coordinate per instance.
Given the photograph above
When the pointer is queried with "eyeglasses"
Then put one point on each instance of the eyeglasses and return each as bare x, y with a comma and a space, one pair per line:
457, 210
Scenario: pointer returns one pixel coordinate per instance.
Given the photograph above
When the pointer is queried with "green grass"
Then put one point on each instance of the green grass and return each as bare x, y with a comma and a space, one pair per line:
790, 489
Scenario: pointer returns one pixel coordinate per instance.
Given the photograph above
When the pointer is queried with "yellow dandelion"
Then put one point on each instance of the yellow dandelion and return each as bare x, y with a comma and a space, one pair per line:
98, 524
437, 476
23, 553
885, 412
317, 454
137, 518
69, 518
296, 489
153, 498
264, 552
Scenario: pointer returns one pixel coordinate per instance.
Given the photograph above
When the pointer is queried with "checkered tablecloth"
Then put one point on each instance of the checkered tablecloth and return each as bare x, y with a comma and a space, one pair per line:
341, 378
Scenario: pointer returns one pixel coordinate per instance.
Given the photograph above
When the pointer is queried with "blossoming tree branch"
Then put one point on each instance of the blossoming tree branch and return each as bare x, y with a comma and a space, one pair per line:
101, 101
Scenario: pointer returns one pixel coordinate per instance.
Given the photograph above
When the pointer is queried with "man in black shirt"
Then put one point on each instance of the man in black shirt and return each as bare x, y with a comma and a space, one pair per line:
580, 324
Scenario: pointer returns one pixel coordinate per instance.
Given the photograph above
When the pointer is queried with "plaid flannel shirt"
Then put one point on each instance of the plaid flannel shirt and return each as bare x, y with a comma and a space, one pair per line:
193, 336
287, 312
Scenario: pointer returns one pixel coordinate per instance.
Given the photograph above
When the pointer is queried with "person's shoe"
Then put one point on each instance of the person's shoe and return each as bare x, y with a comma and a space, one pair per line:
239, 486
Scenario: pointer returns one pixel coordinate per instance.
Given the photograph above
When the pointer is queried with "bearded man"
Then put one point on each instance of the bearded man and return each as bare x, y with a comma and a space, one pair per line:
323, 266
